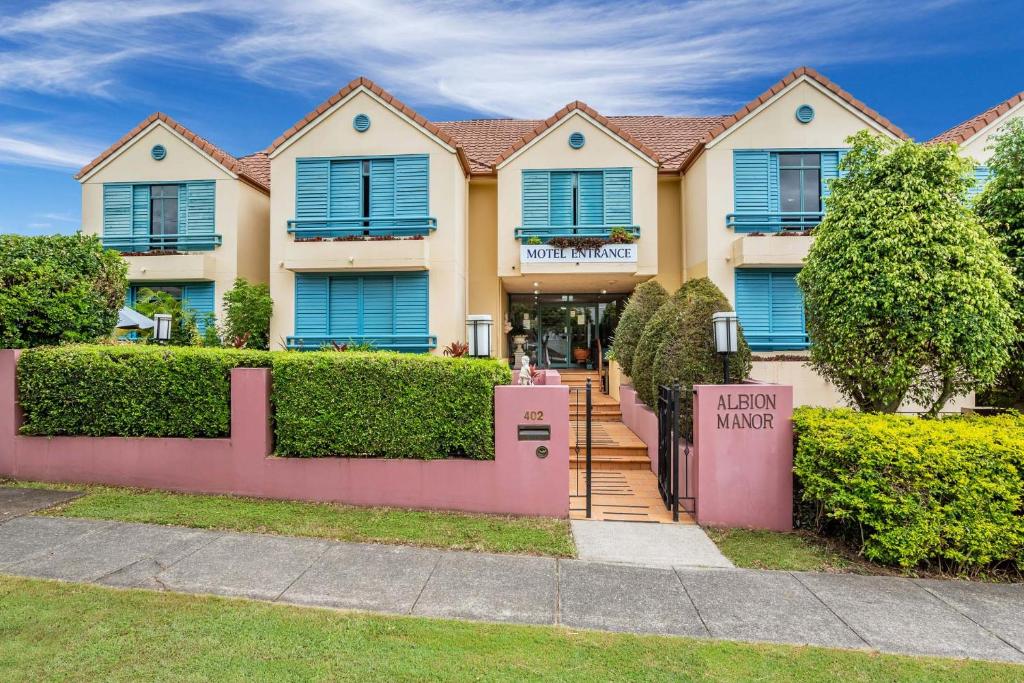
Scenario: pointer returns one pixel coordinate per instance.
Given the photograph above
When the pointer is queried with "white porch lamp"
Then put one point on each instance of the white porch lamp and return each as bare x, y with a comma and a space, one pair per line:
726, 338
478, 334
162, 327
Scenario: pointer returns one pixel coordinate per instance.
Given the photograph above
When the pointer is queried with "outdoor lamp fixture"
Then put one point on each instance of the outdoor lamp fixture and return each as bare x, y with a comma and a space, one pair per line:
726, 338
478, 334
162, 327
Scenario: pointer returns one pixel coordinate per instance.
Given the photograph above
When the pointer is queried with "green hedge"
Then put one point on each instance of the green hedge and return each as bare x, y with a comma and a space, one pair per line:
381, 404
129, 390
911, 491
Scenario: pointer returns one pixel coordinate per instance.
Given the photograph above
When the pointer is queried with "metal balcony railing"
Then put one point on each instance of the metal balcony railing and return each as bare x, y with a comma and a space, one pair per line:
390, 226
781, 221
144, 243
553, 231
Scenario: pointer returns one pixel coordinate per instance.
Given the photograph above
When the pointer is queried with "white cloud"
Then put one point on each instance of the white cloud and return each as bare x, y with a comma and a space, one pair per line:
40, 147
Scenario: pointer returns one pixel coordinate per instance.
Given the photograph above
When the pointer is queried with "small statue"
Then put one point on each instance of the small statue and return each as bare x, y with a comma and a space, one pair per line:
525, 376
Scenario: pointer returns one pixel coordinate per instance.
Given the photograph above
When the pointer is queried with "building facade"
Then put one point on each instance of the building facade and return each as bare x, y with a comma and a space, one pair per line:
388, 229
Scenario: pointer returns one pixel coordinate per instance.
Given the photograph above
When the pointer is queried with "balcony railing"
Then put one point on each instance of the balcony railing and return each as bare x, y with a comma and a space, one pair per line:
391, 342
782, 221
145, 243
777, 342
390, 226
552, 231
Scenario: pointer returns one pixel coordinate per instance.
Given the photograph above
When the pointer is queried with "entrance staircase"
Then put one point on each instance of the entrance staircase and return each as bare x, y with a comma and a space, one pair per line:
613, 444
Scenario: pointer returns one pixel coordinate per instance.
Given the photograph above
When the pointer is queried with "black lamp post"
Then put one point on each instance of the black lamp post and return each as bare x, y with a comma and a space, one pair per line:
726, 338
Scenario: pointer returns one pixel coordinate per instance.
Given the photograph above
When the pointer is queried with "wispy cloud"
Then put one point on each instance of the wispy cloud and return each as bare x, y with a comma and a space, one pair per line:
43, 148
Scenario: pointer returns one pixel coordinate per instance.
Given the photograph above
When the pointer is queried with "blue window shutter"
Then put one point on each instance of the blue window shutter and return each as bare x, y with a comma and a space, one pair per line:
774, 191
982, 174
753, 181
378, 304
536, 188
311, 189
412, 185
618, 196
770, 307
412, 303
140, 211
311, 308
591, 197
382, 188
346, 189
345, 308
198, 297
183, 209
829, 169
201, 207
561, 198
117, 211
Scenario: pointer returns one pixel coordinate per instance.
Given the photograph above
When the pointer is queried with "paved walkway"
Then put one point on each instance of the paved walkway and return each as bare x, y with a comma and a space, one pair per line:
896, 615
649, 545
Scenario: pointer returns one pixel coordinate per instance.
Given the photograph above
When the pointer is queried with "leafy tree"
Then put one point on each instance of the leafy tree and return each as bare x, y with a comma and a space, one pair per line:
646, 299
1001, 208
59, 288
907, 295
247, 311
184, 330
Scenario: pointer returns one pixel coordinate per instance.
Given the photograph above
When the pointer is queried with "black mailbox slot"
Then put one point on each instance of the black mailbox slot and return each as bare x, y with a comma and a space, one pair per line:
534, 432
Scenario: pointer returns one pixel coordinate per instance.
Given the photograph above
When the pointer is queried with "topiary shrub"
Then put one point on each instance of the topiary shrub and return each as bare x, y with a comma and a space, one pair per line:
686, 353
247, 312
384, 404
908, 491
655, 332
646, 299
129, 390
58, 289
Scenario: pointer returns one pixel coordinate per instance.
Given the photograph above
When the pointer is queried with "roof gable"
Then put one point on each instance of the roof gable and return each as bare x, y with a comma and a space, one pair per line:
363, 84
229, 163
802, 73
970, 128
545, 126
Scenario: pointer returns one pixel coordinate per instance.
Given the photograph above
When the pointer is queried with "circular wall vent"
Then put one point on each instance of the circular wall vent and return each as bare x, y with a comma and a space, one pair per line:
576, 140
805, 113
361, 122
158, 152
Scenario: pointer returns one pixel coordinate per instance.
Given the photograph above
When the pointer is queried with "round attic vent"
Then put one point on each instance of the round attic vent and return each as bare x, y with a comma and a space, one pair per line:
158, 152
361, 122
576, 140
805, 113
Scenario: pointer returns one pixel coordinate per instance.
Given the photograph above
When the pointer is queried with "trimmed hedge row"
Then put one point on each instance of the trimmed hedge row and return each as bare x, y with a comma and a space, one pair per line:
389, 405
911, 491
129, 390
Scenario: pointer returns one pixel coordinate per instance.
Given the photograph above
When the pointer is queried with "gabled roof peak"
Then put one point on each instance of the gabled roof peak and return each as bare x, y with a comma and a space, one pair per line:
962, 132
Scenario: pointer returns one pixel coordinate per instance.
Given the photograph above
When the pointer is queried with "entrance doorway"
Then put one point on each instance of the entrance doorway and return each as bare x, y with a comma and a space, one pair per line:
563, 331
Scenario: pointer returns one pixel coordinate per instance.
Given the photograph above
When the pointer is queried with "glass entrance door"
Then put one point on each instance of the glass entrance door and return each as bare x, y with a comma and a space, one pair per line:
561, 331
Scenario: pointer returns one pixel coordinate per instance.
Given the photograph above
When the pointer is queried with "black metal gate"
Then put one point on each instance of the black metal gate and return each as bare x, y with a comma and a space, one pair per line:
675, 425
581, 419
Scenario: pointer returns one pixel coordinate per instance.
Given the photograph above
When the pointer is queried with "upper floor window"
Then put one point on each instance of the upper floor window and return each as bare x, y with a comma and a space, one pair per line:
585, 202
163, 211
780, 190
362, 197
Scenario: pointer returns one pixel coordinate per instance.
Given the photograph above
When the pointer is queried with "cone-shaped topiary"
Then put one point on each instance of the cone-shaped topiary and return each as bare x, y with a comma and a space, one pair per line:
646, 299
686, 354
654, 334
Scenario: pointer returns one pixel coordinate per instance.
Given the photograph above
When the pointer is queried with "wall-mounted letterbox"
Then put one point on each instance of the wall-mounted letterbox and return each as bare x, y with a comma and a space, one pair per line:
535, 432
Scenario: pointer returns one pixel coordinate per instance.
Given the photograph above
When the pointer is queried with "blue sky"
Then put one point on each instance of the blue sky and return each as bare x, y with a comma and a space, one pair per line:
75, 75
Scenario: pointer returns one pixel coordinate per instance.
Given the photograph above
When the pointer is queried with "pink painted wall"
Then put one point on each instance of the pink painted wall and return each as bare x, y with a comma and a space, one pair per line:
744, 472
641, 420
516, 482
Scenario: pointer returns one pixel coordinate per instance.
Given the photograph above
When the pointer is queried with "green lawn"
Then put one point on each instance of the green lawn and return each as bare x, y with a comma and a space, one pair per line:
55, 631
490, 533
773, 550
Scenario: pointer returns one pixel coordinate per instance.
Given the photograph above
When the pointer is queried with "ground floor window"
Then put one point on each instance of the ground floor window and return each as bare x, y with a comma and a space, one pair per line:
563, 330
385, 310
197, 297
770, 306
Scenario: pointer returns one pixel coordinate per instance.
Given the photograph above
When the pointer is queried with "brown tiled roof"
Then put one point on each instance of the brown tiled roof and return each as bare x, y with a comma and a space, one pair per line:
729, 121
966, 130
220, 156
384, 95
484, 139
258, 165
561, 114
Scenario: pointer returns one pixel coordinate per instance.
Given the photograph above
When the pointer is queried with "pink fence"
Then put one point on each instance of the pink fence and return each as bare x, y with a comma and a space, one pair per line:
523, 478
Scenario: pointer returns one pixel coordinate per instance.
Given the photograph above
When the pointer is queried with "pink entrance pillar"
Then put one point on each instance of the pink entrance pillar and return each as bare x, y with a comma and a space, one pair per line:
743, 435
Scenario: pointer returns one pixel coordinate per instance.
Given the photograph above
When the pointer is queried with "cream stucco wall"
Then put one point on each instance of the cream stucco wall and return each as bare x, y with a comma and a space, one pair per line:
977, 148
390, 133
670, 233
486, 295
239, 211
551, 150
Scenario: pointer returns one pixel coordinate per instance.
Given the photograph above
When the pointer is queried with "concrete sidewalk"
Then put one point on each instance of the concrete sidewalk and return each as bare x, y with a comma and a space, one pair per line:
946, 618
